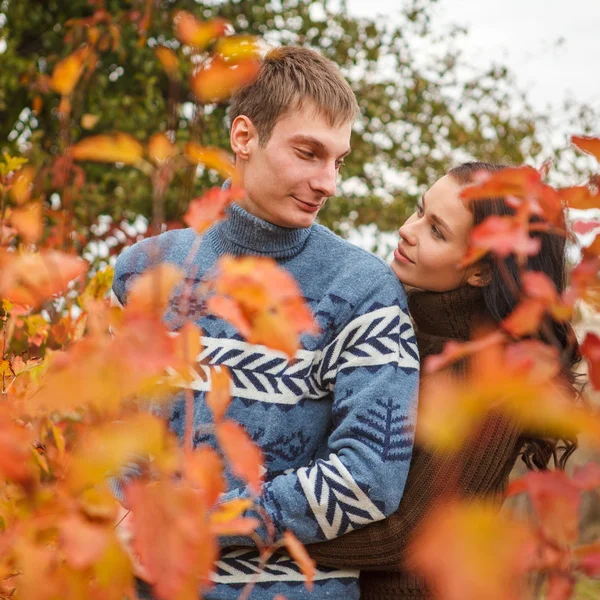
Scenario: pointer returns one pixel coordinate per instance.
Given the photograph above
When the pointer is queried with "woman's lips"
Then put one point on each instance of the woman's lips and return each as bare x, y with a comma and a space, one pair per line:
401, 257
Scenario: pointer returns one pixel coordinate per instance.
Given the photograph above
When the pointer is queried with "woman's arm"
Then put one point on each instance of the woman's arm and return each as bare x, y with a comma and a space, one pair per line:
479, 468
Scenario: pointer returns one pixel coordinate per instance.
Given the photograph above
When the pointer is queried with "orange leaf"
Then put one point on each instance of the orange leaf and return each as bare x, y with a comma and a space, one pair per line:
230, 311
590, 145
15, 451
212, 158
27, 220
204, 470
67, 72
210, 208
300, 555
272, 329
108, 448
199, 34
525, 319
490, 556
504, 236
591, 350
587, 558
218, 80
239, 526
160, 148
219, 396
580, 197
168, 59
83, 542
533, 359
555, 500
180, 564
151, 291
230, 510
243, 455
187, 348
22, 184
118, 147
539, 286
32, 278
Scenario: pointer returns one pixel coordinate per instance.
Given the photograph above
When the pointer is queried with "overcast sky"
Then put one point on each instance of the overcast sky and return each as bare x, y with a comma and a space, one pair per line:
523, 35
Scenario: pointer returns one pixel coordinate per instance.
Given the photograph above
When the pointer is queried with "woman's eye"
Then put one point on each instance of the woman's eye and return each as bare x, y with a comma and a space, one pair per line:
419, 210
437, 233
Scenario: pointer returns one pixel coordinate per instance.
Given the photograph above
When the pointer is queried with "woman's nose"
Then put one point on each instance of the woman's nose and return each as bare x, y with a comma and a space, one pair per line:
407, 234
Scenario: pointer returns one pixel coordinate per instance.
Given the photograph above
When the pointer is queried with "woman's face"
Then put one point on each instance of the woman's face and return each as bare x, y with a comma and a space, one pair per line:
434, 240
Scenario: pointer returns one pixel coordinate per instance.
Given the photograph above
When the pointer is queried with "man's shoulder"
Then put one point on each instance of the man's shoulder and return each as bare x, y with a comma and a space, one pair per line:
347, 254
170, 246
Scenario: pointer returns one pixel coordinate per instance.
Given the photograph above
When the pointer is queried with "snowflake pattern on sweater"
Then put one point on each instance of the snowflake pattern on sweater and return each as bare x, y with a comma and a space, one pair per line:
336, 422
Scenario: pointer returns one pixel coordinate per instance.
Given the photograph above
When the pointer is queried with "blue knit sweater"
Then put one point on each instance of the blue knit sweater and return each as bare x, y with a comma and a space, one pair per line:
336, 424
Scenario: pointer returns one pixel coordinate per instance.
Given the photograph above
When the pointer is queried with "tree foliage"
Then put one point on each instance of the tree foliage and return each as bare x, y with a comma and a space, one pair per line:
418, 113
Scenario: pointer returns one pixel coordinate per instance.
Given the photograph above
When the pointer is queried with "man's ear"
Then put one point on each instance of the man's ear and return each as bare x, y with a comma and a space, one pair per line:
480, 275
243, 135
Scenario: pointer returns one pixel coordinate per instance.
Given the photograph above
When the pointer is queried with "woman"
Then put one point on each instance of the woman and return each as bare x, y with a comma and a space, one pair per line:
446, 303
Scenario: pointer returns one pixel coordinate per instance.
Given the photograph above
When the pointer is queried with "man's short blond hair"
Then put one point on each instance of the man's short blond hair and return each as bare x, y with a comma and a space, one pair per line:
288, 77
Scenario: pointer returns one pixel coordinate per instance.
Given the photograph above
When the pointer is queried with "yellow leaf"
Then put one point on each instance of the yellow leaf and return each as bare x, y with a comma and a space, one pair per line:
230, 510
27, 221
211, 157
20, 190
67, 72
118, 147
89, 121
160, 148
239, 47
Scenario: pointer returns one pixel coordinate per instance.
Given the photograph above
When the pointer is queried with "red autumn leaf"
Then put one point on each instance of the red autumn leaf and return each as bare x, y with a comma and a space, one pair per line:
31, 278
82, 541
561, 586
204, 470
205, 211
590, 145
243, 455
490, 552
229, 310
219, 395
525, 319
216, 159
300, 555
522, 183
556, 501
200, 34
580, 197
583, 227
587, 559
118, 147
218, 80
587, 477
504, 236
539, 286
533, 359
591, 350
180, 562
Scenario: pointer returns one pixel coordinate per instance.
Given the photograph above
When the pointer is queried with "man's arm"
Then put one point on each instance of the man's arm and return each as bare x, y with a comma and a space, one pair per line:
477, 469
372, 369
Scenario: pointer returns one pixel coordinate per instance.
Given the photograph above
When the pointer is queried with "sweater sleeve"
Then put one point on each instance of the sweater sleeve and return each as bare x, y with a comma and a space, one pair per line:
478, 469
371, 368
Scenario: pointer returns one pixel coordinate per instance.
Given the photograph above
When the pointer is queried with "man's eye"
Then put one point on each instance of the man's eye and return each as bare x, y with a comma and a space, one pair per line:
306, 154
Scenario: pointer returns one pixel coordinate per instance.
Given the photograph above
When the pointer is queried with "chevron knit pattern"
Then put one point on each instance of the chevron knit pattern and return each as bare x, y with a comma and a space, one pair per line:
336, 423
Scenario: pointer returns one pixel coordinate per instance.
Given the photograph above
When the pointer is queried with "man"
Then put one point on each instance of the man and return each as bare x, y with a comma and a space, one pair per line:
336, 424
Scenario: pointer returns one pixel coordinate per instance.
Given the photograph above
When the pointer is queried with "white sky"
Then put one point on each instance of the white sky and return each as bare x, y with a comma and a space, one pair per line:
523, 35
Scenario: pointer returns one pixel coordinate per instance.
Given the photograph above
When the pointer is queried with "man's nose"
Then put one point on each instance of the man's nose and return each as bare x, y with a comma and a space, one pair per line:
325, 181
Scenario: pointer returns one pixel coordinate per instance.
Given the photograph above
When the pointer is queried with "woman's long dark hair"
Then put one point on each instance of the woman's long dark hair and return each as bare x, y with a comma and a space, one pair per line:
501, 297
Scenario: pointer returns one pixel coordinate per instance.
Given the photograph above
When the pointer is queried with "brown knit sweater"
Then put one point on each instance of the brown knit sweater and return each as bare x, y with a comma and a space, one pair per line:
481, 468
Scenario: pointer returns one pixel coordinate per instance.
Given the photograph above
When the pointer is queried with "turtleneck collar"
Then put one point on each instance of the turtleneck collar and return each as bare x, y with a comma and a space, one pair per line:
243, 233
448, 315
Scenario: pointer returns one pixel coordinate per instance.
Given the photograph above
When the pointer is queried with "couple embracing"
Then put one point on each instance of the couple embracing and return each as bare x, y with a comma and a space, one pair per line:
337, 424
